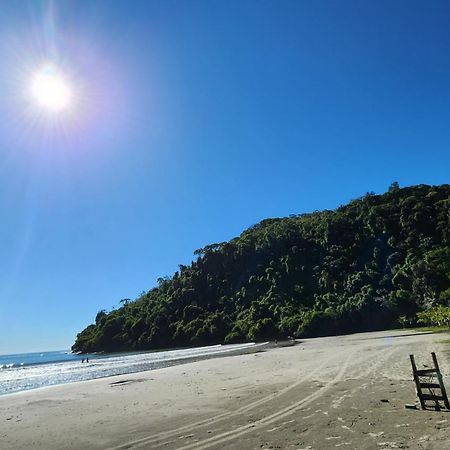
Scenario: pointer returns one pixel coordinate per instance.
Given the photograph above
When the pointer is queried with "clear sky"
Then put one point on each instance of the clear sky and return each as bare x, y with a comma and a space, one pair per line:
194, 120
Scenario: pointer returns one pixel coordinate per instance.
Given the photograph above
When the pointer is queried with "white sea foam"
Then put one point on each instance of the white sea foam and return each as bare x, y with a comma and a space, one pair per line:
19, 378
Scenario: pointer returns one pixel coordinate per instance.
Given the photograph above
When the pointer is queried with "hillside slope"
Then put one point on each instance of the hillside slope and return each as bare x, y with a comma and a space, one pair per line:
368, 265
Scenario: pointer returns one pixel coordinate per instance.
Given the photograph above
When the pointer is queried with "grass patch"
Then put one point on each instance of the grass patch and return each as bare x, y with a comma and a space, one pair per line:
436, 329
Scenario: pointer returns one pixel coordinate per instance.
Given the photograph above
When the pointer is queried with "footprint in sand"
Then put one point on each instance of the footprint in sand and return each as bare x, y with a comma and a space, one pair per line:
375, 435
388, 444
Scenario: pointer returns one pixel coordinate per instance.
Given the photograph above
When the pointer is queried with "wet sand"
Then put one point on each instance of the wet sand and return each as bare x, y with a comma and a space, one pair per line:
345, 392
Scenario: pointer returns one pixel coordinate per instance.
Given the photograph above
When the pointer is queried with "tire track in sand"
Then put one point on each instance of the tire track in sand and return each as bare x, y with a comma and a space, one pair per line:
270, 419
152, 439
225, 415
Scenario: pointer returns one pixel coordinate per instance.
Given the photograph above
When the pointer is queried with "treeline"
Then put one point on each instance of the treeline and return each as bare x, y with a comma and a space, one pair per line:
369, 265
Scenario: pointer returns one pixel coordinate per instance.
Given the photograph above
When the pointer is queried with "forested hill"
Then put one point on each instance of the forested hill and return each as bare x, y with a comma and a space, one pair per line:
371, 264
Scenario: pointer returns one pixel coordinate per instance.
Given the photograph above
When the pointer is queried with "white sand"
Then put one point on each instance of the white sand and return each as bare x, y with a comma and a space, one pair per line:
324, 393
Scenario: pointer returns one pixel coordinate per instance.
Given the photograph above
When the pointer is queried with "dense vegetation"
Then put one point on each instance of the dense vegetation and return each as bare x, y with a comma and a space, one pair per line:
371, 264
438, 315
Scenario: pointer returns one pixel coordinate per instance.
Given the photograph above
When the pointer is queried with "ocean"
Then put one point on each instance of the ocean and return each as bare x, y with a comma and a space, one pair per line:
26, 371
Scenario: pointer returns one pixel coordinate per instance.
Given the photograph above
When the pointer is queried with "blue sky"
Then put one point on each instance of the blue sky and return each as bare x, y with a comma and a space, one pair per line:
198, 119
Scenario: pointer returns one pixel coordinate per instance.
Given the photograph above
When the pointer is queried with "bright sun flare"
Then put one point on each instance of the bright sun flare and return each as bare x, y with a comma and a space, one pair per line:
50, 89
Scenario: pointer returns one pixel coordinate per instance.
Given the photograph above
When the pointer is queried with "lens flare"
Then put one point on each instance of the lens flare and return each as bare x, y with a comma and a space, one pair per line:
50, 89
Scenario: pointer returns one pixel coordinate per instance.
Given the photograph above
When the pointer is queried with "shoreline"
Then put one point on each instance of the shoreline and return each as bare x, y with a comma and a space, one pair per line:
256, 347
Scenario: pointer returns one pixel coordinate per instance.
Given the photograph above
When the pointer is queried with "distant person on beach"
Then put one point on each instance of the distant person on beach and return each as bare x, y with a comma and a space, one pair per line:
82, 361
87, 360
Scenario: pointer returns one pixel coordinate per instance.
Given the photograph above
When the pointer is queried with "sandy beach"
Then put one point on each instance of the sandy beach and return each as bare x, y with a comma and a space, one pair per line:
344, 392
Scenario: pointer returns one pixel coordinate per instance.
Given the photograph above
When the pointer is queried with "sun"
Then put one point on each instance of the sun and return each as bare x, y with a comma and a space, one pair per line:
50, 89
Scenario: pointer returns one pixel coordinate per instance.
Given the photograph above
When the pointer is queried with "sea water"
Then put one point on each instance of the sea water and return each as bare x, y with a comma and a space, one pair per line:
34, 370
